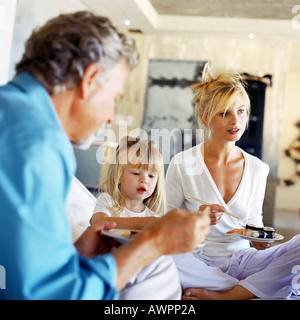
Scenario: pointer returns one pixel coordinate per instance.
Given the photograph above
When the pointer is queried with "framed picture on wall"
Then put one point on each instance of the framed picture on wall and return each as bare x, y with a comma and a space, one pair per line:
169, 97
169, 116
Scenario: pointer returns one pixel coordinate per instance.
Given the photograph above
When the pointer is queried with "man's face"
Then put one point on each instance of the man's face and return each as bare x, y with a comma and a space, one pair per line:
97, 108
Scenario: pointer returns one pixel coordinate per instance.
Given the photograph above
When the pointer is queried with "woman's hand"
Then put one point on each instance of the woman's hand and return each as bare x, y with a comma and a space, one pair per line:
216, 212
261, 245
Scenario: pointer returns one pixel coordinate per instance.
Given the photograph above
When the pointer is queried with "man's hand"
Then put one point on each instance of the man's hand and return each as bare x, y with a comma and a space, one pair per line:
92, 242
180, 231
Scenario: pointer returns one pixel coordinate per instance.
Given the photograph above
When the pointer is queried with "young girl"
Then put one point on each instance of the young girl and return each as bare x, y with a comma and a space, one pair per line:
133, 185
220, 173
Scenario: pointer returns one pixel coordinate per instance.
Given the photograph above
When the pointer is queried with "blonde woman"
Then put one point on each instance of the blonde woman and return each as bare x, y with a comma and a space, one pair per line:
134, 186
219, 172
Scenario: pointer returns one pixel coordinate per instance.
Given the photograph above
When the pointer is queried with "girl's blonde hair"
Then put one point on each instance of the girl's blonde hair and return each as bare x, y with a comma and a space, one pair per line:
141, 154
214, 95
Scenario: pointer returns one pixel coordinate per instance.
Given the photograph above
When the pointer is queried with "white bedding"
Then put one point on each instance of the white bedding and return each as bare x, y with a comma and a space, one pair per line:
80, 206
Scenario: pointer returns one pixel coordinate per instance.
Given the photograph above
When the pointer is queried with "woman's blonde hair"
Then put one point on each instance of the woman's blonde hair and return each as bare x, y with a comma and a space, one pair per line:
214, 95
141, 154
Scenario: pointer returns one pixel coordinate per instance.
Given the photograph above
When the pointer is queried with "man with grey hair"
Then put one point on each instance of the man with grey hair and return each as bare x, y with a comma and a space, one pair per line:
72, 72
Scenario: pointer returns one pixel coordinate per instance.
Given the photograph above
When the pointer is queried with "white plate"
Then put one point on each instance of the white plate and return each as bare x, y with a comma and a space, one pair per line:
200, 246
116, 234
276, 238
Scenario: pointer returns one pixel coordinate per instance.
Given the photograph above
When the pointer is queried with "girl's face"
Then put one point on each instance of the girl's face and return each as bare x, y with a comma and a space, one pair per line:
137, 183
230, 125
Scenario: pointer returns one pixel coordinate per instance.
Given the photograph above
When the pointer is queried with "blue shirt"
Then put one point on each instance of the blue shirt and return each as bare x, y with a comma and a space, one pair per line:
36, 167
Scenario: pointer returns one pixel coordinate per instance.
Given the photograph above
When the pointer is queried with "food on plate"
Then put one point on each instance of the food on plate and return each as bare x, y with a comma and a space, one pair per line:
255, 232
268, 230
123, 233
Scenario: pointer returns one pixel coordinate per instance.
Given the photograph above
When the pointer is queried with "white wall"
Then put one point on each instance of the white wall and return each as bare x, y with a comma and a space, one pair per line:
7, 19
288, 197
31, 14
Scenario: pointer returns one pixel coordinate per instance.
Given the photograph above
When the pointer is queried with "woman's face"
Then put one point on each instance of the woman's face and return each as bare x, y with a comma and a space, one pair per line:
230, 125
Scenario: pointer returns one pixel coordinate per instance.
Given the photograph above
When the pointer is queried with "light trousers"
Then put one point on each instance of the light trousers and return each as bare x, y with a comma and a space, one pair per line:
270, 273
157, 281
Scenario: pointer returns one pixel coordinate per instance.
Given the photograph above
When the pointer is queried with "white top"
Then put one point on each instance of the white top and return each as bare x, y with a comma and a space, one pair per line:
188, 174
80, 206
105, 201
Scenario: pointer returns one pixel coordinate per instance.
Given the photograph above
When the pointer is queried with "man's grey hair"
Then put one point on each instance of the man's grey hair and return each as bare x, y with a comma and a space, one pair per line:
58, 53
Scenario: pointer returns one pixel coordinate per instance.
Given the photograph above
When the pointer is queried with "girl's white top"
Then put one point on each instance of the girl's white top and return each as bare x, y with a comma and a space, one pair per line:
188, 174
105, 201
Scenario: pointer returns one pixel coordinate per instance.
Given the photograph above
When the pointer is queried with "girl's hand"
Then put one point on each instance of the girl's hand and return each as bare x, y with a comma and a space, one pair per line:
216, 212
261, 245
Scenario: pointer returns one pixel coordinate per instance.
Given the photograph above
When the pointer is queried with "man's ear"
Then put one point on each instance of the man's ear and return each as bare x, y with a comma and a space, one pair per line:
89, 81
